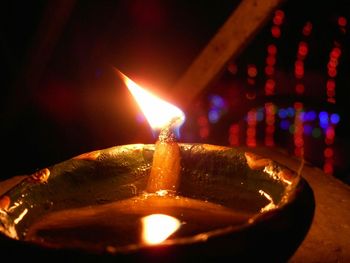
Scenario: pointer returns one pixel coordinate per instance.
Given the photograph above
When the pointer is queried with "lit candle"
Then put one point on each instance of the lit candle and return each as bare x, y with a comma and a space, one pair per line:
165, 117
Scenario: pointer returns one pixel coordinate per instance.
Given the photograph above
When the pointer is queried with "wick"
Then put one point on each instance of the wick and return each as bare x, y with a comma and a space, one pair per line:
166, 133
165, 172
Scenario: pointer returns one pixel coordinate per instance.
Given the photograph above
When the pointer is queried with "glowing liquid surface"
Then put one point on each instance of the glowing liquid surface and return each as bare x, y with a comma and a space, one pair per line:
132, 223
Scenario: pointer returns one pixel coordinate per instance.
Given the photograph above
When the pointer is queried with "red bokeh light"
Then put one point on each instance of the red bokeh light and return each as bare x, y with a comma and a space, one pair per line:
298, 141
332, 72
270, 86
298, 105
278, 18
333, 63
330, 133
272, 49
328, 152
335, 53
307, 29
342, 21
252, 71
303, 49
328, 168
299, 72
276, 31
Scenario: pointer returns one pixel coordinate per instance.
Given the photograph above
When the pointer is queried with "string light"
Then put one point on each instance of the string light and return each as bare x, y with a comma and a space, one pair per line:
302, 52
234, 135
332, 65
294, 120
328, 152
252, 72
270, 110
298, 130
277, 22
203, 124
251, 128
271, 60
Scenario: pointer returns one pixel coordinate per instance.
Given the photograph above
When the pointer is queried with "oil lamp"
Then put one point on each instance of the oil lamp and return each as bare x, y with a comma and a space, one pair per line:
161, 201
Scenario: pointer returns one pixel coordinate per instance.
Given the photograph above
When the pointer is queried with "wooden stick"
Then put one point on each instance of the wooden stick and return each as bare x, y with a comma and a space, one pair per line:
232, 37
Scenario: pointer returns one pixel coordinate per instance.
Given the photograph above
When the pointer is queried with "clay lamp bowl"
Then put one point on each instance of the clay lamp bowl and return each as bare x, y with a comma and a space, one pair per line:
229, 204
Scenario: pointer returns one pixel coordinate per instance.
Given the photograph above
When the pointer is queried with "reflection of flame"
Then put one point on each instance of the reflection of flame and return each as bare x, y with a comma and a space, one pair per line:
270, 205
158, 112
158, 227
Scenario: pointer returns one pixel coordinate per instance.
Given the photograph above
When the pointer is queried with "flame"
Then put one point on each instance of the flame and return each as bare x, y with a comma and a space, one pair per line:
158, 112
158, 227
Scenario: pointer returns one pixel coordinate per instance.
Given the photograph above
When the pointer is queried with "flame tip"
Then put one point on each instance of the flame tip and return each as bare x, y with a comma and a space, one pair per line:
121, 74
158, 112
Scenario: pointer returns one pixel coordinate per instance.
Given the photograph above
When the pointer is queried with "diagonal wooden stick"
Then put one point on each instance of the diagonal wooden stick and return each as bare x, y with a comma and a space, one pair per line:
232, 37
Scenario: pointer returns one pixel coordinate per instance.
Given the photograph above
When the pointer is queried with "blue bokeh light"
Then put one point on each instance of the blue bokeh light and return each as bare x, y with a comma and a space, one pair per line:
217, 102
290, 112
323, 116
213, 116
311, 115
335, 118
282, 113
284, 124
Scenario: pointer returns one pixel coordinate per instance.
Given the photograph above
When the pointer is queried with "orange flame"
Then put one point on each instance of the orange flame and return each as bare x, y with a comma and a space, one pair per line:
158, 112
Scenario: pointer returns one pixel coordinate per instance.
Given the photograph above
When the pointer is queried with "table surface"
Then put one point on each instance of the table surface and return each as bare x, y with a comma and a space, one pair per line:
328, 239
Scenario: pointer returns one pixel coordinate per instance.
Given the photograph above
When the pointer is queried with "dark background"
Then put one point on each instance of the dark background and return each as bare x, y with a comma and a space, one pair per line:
61, 97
